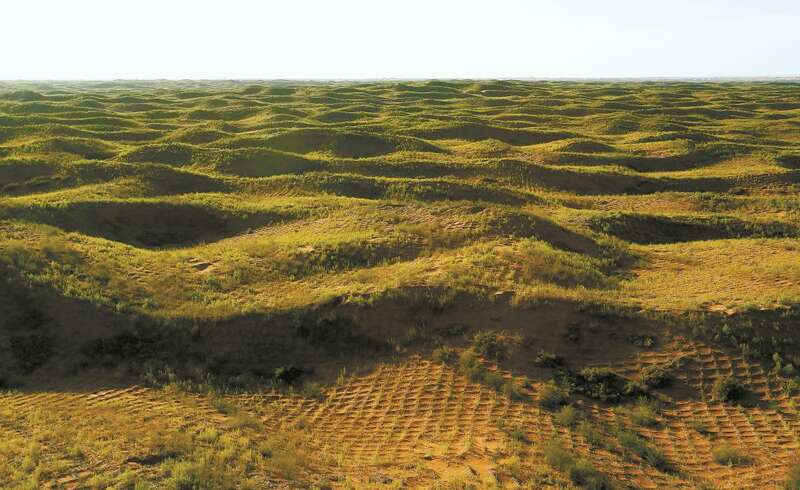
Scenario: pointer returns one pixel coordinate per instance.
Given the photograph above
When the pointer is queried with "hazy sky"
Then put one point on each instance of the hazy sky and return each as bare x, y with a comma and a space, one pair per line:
103, 39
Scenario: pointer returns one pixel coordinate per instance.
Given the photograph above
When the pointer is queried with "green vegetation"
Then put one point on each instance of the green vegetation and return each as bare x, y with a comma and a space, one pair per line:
728, 389
205, 284
579, 470
551, 396
643, 413
495, 345
470, 364
793, 478
567, 416
731, 456
636, 444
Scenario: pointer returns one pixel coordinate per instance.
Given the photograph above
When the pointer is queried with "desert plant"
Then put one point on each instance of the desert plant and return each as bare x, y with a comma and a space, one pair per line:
728, 389
445, 355
598, 383
552, 396
699, 426
656, 376
567, 416
644, 412
495, 345
729, 455
592, 435
579, 470
793, 477
639, 446
548, 360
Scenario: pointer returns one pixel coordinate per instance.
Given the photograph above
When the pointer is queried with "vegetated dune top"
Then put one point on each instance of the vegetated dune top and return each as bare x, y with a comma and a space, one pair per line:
296, 193
223, 242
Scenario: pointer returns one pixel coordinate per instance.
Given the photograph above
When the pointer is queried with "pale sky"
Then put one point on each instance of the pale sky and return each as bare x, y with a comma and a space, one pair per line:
348, 39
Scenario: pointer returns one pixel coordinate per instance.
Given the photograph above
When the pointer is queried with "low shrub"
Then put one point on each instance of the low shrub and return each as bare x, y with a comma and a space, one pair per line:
579, 470
204, 472
567, 416
639, 446
312, 389
657, 376
728, 389
646, 341
289, 375
445, 355
644, 412
793, 478
495, 345
551, 397
470, 365
548, 360
598, 383
730, 456
592, 435
513, 388
698, 426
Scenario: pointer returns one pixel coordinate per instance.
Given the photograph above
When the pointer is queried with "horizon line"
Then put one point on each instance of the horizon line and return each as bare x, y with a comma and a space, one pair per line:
753, 78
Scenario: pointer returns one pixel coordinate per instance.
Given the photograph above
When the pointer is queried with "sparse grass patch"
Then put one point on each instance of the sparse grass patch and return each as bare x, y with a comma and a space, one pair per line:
637, 445
579, 470
470, 365
793, 477
729, 455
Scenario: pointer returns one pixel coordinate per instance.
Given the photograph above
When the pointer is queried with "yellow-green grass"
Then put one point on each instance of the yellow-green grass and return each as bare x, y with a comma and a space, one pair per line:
236, 231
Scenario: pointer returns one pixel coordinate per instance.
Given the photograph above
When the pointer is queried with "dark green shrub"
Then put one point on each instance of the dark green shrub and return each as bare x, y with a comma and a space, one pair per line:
493, 380
445, 355
289, 375
513, 388
551, 397
728, 389
548, 360
656, 376
601, 384
641, 340
312, 389
495, 345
